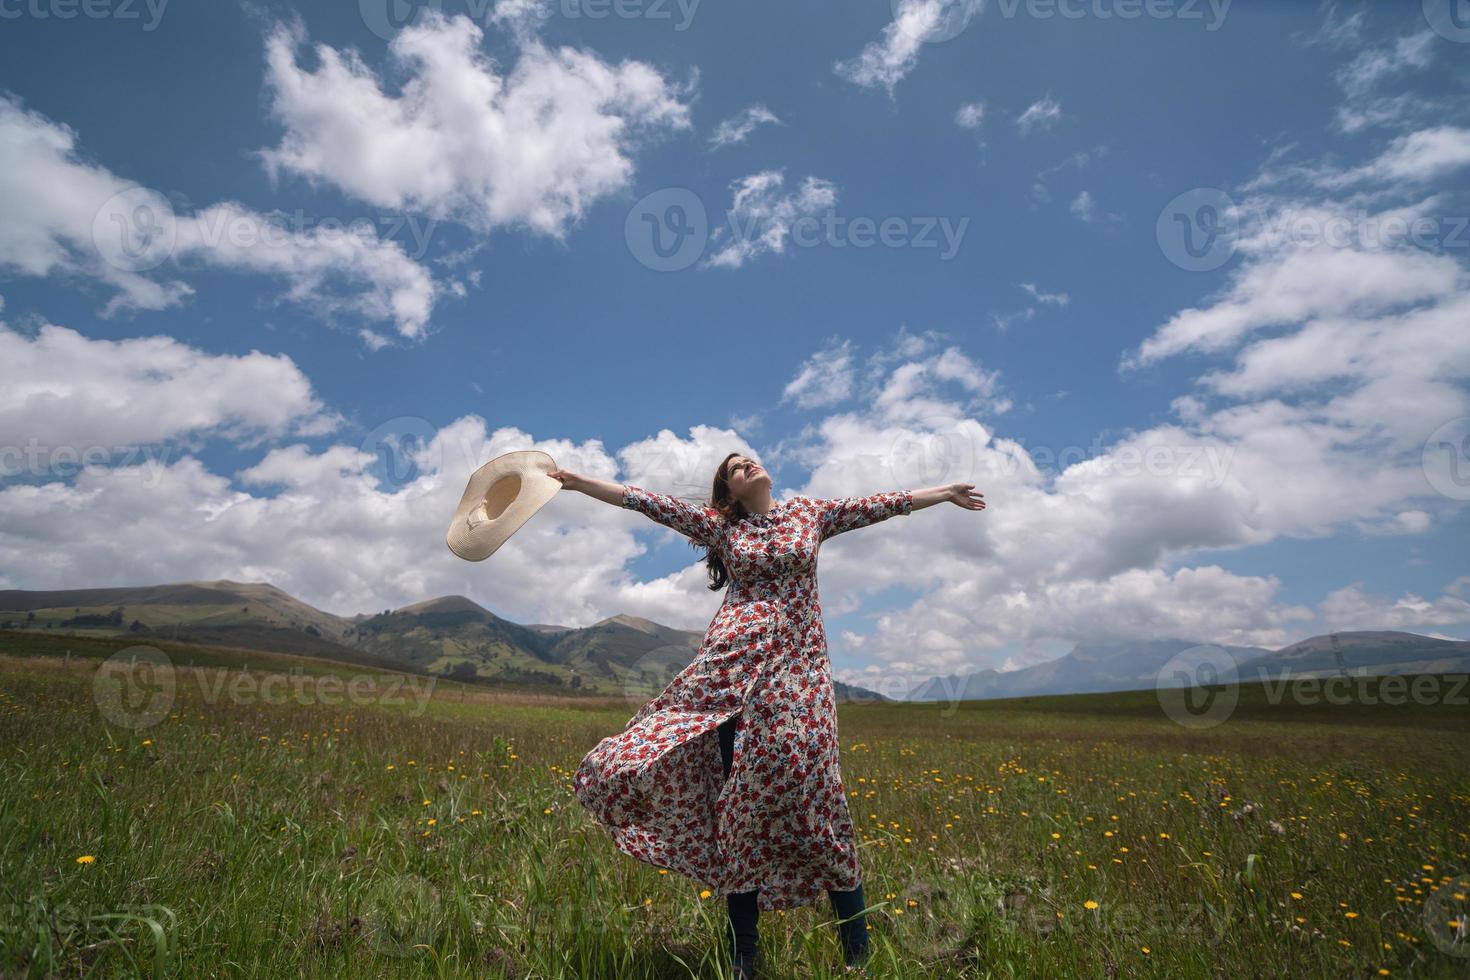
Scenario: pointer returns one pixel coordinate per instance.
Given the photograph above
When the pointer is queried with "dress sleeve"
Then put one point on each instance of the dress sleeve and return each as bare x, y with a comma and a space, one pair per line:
698, 521
841, 514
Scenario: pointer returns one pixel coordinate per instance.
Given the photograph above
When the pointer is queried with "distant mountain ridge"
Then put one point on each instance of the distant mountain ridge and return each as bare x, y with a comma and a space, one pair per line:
450, 636
455, 636
1097, 668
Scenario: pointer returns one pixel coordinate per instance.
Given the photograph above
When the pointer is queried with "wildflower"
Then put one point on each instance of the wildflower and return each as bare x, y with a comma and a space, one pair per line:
87, 859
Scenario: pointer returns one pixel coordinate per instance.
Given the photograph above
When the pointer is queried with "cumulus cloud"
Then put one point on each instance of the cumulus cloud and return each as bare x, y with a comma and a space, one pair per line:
70, 217
531, 148
827, 378
67, 395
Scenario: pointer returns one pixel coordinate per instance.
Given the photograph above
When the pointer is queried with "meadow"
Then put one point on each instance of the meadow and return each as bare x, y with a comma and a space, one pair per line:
209, 821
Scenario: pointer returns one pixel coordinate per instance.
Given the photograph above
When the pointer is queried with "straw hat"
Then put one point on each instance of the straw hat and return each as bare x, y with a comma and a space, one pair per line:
501, 496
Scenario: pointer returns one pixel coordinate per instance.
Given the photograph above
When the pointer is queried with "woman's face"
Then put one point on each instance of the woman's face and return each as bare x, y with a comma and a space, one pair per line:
745, 475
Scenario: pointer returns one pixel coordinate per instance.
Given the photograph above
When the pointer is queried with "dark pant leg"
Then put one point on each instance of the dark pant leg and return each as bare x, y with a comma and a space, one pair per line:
744, 913
727, 742
854, 931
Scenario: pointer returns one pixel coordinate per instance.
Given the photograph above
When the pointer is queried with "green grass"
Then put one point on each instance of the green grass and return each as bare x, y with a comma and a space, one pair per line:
250, 836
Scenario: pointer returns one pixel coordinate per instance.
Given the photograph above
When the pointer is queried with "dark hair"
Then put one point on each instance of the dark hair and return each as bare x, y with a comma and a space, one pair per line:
732, 510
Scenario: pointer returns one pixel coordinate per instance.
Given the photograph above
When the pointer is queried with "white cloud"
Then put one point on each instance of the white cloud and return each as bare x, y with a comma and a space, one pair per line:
970, 115
1372, 66
827, 378
1053, 299
67, 394
1353, 608
1085, 209
64, 216
1041, 114
738, 127
532, 148
761, 216
885, 62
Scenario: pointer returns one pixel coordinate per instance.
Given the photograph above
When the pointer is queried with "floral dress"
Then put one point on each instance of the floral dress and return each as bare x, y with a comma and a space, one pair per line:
780, 822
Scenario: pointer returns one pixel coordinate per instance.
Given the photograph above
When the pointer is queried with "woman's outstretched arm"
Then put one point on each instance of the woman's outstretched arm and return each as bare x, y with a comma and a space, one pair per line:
696, 521
841, 514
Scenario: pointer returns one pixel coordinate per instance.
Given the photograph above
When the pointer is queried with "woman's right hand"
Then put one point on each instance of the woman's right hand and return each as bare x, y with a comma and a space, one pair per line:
569, 480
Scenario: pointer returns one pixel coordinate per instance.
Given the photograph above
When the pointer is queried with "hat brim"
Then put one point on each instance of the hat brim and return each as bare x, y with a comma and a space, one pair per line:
499, 498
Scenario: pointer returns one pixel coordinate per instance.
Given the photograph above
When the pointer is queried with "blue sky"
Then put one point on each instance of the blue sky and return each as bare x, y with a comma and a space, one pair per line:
504, 166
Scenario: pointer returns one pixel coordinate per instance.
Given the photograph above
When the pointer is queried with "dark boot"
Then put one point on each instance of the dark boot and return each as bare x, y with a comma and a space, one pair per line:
852, 925
743, 933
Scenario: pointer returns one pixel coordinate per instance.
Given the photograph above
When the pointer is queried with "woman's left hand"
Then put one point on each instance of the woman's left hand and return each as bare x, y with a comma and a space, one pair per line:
966, 496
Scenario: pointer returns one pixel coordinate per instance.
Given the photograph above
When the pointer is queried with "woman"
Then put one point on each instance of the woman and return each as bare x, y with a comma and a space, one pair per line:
730, 776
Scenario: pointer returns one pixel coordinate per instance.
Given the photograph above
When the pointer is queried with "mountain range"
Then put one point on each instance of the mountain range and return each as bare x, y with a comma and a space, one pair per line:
450, 636
454, 637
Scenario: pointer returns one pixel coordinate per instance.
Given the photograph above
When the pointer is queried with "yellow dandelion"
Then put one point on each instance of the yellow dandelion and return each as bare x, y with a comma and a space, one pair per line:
1089, 904
87, 859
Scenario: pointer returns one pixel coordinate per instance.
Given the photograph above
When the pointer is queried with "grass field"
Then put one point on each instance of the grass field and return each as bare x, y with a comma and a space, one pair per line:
302, 827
